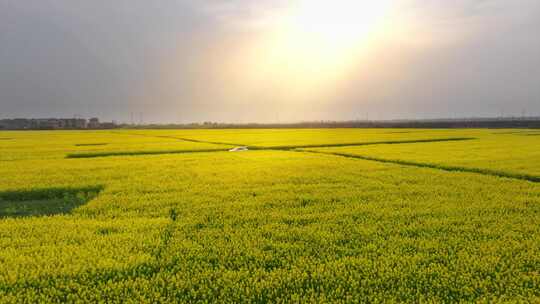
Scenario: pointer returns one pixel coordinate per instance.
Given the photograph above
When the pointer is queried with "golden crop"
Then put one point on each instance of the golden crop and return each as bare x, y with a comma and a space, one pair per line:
275, 225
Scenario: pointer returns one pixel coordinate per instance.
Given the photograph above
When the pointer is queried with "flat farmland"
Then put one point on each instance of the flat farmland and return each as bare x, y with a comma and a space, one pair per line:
344, 215
61, 144
285, 138
512, 154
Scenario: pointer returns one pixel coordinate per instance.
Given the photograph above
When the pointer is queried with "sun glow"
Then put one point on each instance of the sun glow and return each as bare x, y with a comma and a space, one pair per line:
315, 43
332, 32
305, 53
337, 27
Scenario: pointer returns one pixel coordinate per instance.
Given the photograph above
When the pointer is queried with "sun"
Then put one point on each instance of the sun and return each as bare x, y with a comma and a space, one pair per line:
340, 25
310, 48
323, 38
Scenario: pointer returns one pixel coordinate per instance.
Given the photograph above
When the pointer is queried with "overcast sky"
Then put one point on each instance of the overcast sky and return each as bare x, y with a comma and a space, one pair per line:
199, 60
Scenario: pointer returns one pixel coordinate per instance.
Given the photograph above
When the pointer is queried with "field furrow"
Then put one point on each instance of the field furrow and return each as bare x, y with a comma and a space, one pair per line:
319, 224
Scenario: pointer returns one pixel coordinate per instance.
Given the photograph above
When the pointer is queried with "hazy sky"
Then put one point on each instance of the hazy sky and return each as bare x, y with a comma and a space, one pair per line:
269, 60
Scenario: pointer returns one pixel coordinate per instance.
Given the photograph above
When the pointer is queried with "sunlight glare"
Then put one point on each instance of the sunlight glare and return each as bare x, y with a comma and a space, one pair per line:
340, 25
320, 40
313, 46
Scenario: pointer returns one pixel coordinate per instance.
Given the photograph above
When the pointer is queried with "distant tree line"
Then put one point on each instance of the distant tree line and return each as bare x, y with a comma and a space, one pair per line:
54, 124
528, 122
94, 123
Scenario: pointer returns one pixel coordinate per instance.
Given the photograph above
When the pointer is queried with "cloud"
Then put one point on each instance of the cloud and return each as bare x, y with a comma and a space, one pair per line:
174, 61
244, 15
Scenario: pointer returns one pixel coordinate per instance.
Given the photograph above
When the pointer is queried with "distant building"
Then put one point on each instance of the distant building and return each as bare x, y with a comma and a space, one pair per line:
43, 123
107, 125
93, 123
16, 124
73, 123
46, 123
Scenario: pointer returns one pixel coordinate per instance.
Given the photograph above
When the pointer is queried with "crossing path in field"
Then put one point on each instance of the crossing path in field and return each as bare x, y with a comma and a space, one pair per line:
299, 148
483, 171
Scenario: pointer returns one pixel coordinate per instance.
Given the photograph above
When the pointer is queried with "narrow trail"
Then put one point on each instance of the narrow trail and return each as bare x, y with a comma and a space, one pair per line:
229, 145
140, 153
177, 138
290, 147
448, 168
385, 142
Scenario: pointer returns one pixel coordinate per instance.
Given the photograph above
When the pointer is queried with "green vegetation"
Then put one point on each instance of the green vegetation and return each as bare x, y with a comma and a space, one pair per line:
133, 153
505, 154
309, 137
90, 145
370, 143
58, 144
44, 201
268, 225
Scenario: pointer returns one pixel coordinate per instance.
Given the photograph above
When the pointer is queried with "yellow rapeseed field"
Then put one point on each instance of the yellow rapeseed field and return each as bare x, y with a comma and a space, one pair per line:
341, 215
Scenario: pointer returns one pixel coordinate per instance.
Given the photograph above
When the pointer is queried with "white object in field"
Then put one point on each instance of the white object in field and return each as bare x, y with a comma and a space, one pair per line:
238, 149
